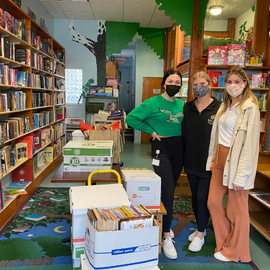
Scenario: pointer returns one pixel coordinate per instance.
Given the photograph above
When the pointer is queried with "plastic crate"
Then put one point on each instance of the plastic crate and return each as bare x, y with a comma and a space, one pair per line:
94, 107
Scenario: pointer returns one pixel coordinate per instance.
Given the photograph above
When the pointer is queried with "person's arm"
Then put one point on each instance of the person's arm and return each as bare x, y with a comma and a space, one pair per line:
250, 150
137, 116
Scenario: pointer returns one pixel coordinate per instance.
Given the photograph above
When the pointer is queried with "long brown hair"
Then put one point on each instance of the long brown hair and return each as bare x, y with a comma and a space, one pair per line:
247, 93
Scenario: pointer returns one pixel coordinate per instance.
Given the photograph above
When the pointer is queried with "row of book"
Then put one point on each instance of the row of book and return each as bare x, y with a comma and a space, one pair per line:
42, 81
59, 130
13, 25
59, 97
38, 61
262, 124
41, 119
120, 218
233, 54
40, 99
258, 80
60, 113
40, 44
42, 137
59, 69
263, 101
12, 101
13, 76
7, 47
14, 127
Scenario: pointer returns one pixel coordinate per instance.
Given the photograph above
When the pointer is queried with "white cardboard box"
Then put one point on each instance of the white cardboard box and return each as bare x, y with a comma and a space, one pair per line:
87, 156
86, 266
123, 249
84, 197
143, 187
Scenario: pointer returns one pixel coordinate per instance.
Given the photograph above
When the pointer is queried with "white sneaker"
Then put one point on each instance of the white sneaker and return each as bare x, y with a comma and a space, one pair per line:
171, 234
169, 249
196, 244
191, 236
220, 257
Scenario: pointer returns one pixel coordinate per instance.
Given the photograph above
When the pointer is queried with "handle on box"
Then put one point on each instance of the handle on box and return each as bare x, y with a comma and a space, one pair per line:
104, 171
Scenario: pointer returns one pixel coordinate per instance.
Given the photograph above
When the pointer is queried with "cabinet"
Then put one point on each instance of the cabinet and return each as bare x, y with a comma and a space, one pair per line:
32, 89
259, 210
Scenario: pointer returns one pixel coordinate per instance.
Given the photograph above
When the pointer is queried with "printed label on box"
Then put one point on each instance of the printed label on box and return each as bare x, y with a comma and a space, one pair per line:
143, 197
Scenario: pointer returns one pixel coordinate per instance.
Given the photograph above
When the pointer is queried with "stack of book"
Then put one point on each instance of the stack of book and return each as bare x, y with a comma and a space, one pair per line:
120, 218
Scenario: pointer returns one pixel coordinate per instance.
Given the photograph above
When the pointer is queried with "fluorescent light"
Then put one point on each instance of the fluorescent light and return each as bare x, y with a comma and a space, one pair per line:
215, 10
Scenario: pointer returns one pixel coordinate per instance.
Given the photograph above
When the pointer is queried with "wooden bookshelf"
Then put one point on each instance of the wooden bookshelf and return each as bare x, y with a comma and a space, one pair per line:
8, 5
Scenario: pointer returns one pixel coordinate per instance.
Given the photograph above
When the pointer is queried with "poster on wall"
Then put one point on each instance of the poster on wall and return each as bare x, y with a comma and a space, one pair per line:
31, 14
43, 24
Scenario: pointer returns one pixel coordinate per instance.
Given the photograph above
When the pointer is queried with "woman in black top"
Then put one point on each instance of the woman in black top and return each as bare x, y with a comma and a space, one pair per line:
197, 125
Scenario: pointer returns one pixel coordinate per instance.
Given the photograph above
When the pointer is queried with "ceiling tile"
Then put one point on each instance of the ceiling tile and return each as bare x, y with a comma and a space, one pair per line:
116, 17
160, 20
106, 1
139, 9
79, 15
74, 6
143, 19
51, 5
107, 7
57, 15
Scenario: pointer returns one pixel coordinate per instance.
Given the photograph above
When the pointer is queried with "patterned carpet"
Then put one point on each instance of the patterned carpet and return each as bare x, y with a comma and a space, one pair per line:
44, 243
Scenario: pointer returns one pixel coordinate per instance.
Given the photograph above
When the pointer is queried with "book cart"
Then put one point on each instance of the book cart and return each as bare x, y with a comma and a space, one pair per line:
32, 86
134, 248
175, 44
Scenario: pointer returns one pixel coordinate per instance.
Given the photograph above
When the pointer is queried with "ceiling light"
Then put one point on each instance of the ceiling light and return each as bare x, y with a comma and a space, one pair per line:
215, 10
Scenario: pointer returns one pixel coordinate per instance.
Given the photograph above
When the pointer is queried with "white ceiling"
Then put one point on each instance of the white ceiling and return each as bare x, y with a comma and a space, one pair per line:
145, 12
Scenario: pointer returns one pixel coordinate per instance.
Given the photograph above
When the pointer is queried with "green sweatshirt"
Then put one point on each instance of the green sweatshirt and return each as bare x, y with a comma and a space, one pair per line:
158, 114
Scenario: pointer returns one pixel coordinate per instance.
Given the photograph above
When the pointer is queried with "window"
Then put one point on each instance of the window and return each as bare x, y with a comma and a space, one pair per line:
73, 85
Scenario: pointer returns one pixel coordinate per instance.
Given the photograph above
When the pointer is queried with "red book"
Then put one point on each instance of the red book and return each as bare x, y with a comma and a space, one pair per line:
24, 173
217, 55
37, 140
236, 54
214, 76
44, 203
45, 136
30, 141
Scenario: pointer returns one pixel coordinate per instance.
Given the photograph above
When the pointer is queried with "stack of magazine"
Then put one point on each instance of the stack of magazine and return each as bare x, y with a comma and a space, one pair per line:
120, 218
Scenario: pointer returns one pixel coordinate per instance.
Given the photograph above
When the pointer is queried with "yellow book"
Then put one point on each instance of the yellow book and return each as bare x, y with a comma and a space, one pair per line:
126, 211
21, 151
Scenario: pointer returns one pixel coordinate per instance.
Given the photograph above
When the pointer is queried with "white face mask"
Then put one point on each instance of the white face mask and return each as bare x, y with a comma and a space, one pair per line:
234, 90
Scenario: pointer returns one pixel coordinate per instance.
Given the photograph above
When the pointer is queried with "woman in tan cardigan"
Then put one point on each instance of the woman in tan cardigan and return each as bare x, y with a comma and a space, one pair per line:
233, 158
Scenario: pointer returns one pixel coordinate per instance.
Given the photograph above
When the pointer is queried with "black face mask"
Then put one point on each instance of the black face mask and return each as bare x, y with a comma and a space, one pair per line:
172, 89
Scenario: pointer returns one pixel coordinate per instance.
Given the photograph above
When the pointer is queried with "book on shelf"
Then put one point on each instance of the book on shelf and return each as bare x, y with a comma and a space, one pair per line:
214, 77
48, 153
37, 139
261, 196
22, 175
21, 151
217, 55
14, 192
18, 184
35, 217
2, 201
236, 54
45, 136
263, 101
254, 59
41, 160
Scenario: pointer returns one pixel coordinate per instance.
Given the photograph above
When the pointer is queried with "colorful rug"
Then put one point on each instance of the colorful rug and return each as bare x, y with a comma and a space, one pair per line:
44, 243
42, 240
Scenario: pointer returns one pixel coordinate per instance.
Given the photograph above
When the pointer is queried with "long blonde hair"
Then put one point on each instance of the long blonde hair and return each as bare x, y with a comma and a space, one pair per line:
247, 93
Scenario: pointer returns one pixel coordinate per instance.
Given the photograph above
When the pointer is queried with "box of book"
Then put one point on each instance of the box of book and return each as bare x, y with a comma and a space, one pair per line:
254, 59
134, 248
143, 187
236, 54
77, 135
87, 156
217, 55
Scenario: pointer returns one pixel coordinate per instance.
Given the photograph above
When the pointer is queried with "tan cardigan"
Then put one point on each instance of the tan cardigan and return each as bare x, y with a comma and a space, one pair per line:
241, 166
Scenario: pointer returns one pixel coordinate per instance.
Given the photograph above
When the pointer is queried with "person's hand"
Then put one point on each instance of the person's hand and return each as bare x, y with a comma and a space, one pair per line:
155, 136
236, 188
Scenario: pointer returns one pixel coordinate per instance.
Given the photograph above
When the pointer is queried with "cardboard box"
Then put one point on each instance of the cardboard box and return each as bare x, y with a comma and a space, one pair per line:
143, 187
84, 197
87, 156
86, 266
134, 249
182, 186
112, 70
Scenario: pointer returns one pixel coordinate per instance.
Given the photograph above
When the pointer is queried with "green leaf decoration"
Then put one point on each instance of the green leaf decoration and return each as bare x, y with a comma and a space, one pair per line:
154, 38
179, 10
202, 14
253, 8
118, 35
85, 87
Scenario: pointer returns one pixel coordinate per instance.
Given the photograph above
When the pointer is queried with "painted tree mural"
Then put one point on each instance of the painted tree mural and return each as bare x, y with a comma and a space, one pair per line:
98, 48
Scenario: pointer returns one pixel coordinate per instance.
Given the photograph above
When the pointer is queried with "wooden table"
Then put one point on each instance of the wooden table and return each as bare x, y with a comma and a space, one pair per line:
82, 177
159, 217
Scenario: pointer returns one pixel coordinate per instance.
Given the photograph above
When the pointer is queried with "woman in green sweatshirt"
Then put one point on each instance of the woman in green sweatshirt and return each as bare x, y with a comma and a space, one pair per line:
161, 116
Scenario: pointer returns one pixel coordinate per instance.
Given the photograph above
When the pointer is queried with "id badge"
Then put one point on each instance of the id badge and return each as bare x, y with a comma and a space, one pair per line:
156, 160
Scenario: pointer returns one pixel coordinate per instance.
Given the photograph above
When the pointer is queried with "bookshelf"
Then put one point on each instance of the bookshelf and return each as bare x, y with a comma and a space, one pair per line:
259, 210
39, 99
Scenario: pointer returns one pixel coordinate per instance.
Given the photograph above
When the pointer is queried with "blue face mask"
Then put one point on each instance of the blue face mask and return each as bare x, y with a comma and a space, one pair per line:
200, 91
